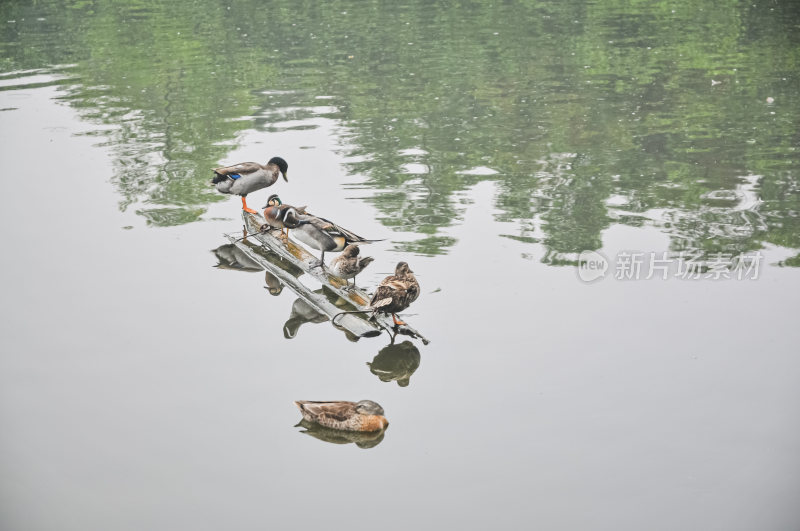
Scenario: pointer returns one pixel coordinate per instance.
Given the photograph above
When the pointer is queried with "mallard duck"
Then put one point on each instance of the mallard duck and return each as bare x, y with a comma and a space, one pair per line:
348, 264
245, 177
280, 216
365, 415
395, 292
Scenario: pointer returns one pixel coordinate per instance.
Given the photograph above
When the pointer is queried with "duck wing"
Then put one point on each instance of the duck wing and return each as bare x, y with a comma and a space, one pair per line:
412, 289
337, 230
337, 410
384, 294
291, 216
318, 222
243, 168
364, 262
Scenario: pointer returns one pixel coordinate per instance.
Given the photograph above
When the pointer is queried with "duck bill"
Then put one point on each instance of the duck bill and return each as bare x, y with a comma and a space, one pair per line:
285, 175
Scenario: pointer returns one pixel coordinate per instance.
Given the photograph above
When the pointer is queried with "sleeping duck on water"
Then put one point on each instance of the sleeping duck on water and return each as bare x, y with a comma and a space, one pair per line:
348, 264
245, 177
320, 233
365, 415
395, 292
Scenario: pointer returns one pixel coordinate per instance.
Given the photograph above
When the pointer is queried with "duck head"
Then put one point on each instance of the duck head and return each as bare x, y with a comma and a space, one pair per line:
402, 270
273, 200
282, 165
351, 251
368, 407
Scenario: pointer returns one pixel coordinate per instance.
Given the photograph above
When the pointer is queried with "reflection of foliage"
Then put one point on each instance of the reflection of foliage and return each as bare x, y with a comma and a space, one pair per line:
170, 216
427, 246
623, 111
152, 71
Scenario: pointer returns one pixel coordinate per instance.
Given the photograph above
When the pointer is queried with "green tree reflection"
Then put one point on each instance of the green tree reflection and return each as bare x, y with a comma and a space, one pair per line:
583, 114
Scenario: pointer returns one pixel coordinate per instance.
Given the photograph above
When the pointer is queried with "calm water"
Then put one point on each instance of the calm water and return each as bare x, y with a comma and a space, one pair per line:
148, 371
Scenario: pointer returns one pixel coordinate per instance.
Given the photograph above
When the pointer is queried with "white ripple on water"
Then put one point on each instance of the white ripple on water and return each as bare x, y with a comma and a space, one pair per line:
479, 170
415, 168
410, 152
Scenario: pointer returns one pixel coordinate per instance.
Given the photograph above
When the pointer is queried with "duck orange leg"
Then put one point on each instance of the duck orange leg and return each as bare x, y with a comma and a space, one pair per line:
245, 207
396, 321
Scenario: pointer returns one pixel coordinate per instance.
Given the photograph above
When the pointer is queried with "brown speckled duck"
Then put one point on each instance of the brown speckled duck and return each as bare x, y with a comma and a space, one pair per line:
395, 293
348, 264
365, 415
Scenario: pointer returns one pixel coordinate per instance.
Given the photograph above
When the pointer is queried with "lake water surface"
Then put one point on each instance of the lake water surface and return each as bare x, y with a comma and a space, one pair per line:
147, 373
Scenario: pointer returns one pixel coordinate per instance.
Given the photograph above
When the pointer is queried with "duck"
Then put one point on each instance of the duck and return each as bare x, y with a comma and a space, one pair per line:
280, 216
395, 293
246, 177
348, 264
322, 234
364, 415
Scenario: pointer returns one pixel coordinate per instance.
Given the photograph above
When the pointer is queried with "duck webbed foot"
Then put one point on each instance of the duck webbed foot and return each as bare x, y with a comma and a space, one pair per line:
397, 322
247, 208
320, 262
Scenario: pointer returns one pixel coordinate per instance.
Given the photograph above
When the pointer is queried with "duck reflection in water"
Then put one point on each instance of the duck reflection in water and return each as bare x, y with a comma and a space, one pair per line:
303, 312
362, 439
396, 362
231, 257
273, 285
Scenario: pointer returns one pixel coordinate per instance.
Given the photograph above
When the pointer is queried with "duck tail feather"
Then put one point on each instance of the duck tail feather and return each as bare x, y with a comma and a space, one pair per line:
381, 303
218, 178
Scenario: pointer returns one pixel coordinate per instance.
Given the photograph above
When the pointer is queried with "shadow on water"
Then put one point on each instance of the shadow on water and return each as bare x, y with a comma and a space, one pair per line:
396, 362
361, 439
584, 116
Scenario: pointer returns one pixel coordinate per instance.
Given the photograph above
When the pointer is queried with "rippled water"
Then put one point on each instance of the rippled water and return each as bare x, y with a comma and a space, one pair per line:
147, 382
